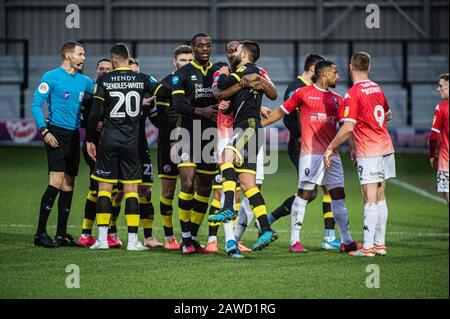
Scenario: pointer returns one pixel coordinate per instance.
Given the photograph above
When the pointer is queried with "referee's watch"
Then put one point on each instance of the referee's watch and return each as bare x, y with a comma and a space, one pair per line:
43, 131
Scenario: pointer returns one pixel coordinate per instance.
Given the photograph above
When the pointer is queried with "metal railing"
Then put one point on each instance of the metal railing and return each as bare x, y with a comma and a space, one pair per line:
23, 82
296, 49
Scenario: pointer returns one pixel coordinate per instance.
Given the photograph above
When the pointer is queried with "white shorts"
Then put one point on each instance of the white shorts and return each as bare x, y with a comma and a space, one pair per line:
442, 182
260, 167
221, 145
376, 169
312, 172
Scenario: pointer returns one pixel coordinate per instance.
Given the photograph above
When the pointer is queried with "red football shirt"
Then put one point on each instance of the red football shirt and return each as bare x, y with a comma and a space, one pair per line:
366, 105
318, 117
441, 126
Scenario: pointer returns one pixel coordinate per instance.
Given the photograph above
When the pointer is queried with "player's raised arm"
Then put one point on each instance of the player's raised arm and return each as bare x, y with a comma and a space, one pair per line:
273, 117
224, 94
259, 82
286, 108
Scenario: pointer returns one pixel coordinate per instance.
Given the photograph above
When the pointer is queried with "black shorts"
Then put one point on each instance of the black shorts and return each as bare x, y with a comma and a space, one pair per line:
116, 164
248, 137
166, 168
147, 168
291, 122
196, 146
66, 157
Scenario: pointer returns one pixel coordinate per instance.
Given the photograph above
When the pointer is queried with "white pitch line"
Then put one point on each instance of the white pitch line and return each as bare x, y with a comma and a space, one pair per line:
417, 190
252, 230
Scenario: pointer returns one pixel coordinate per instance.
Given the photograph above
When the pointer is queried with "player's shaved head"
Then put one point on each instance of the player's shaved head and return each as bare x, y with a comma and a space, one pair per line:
361, 61
119, 51
252, 48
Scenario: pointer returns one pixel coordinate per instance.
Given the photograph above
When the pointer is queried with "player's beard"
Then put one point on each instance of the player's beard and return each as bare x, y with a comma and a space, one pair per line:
235, 63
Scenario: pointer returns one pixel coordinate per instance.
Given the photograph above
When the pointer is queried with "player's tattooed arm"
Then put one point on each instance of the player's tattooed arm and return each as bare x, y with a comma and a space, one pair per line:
274, 116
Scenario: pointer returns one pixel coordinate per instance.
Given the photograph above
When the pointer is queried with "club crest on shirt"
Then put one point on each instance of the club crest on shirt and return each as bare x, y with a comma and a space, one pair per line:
66, 95
335, 100
193, 77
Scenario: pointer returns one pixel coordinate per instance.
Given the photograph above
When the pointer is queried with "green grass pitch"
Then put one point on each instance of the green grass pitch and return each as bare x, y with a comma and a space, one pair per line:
416, 265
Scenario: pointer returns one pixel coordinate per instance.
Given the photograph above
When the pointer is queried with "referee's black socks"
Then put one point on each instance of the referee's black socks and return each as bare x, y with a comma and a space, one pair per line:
47, 201
64, 204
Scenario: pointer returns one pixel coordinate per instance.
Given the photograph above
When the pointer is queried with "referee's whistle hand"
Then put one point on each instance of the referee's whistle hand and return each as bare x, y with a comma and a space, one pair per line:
51, 140
91, 150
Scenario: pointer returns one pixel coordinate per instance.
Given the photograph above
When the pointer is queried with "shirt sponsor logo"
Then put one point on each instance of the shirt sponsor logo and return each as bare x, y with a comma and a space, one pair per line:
43, 88
201, 92
313, 97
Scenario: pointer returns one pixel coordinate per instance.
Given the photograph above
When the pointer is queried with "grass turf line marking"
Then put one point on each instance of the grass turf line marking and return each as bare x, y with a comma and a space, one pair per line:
421, 234
417, 190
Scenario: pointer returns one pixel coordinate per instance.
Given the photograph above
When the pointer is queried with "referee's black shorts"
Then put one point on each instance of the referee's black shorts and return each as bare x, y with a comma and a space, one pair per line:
66, 157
